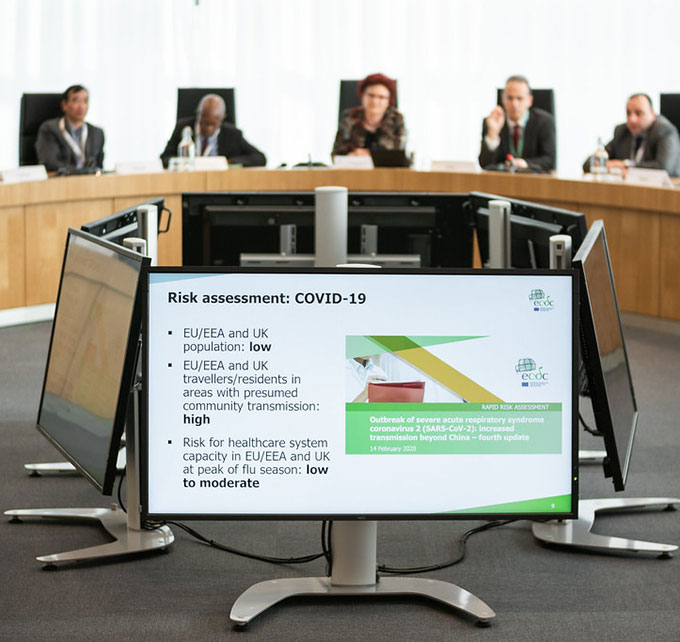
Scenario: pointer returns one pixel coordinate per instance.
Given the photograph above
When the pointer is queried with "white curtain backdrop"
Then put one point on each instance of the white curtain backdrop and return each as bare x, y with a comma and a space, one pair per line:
285, 58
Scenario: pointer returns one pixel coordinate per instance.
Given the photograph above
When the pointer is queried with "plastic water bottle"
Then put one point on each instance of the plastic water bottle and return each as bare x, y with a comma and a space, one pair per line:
598, 161
186, 149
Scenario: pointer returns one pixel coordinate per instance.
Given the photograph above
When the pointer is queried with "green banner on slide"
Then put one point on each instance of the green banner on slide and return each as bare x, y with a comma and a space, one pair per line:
453, 428
556, 504
364, 346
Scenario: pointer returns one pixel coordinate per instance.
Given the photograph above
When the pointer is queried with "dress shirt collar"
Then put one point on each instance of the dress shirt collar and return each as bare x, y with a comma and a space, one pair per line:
522, 121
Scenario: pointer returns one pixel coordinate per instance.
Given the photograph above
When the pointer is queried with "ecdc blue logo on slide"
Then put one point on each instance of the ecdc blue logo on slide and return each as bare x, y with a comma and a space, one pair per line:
531, 375
541, 301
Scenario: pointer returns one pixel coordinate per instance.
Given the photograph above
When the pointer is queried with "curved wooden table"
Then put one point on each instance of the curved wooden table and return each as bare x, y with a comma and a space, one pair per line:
642, 223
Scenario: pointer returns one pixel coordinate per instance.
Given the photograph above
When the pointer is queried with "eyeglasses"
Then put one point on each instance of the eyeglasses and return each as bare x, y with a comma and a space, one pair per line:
369, 94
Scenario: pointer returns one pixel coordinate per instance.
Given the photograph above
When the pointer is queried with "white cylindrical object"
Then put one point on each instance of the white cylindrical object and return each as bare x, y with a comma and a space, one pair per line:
499, 234
354, 547
330, 226
147, 217
560, 251
359, 265
135, 244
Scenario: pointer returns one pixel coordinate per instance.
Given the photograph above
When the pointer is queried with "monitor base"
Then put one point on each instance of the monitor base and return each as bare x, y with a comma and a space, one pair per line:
260, 597
576, 532
38, 470
128, 541
354, 546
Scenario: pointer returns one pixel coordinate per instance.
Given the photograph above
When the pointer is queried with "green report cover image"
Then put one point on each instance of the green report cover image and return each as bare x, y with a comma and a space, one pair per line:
473, 419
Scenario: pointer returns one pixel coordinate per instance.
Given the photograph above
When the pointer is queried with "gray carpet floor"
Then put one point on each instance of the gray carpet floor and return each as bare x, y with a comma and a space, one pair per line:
538, 592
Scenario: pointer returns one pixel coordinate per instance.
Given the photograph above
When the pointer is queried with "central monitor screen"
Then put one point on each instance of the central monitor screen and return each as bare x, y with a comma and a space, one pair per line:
356, 394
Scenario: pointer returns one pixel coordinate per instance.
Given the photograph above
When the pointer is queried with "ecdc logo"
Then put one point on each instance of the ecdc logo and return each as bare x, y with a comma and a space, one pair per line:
541, 301
530, 374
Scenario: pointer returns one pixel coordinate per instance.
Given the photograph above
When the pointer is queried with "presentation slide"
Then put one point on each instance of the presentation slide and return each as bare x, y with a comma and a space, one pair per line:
358, 394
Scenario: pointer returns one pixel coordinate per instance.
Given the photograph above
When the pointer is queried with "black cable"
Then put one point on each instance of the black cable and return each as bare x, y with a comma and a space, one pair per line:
120, 491
326, 530
461, 555
587, 428
262, 558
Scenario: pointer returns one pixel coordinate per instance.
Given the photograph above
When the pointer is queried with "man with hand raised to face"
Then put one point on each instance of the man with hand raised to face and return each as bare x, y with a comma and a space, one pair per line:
518, 130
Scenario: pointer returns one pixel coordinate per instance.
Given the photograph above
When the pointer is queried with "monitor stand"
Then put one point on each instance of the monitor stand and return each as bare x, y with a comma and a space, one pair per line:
38, 470
128, 540
130, 537
577, 532
354, 547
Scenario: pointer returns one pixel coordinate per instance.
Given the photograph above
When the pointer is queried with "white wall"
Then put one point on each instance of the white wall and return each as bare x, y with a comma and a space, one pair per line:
285, 58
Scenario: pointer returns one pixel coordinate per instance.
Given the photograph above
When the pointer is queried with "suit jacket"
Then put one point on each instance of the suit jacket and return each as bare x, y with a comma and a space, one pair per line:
662, 148
230, 143
539, 143
54, 152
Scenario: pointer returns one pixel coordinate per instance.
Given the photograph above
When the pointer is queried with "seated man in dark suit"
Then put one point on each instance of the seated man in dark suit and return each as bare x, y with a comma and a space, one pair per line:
644, 140
69, 143
528, 135
213, 136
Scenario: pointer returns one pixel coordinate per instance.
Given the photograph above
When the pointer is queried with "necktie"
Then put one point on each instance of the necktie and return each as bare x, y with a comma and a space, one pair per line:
204, 145
638, 142
515, 136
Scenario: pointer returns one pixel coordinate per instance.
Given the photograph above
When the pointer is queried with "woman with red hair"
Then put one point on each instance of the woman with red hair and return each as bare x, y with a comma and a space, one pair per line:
375, 124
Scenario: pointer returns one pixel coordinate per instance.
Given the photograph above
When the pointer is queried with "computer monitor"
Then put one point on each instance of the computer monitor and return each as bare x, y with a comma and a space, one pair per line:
218, 227
91, 357
125, 223
531, 226
257, 400
610, 384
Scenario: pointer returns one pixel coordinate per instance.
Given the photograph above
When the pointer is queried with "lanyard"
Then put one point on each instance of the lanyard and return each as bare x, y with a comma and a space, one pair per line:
78, 151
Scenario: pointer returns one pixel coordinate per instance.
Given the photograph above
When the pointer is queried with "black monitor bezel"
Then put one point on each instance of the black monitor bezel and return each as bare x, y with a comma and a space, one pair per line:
298, 207
617, 463
144, 402
128, 370
125, 222
530, 215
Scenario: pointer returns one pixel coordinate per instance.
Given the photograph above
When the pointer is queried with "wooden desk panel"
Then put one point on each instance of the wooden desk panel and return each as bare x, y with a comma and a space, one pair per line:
634, 246
12, 258
669, 269
643, 223
46, 227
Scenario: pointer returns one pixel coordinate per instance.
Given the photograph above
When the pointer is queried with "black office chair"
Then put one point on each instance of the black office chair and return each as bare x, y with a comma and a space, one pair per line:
669, 106
349, 97
188, 99
35, 109
543, 99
